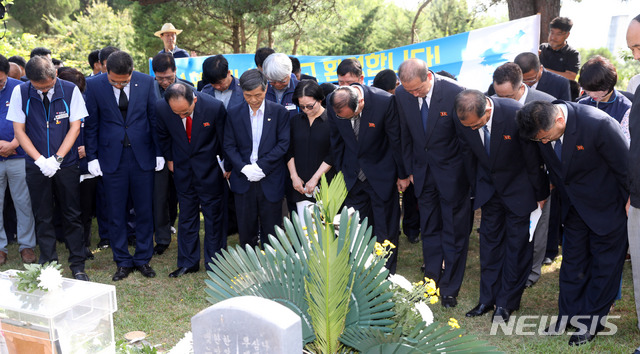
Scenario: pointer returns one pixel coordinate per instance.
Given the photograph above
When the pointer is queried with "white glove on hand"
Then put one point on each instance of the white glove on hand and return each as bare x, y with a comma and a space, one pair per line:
253, 172
159, 163
52, 164
41, 162
258, 174
94, 168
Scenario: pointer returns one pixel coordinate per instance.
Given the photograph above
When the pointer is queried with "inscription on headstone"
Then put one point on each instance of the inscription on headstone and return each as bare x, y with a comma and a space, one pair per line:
246, 324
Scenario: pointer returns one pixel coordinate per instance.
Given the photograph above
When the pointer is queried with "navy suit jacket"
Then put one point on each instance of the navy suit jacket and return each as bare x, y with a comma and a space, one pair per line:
592, 176
440, 149
377, 151
514, 170
105, 128
236, 95
195, 163
272, 150
555, 85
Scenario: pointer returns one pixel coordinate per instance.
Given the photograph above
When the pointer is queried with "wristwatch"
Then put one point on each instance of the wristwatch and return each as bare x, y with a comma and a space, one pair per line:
59, 159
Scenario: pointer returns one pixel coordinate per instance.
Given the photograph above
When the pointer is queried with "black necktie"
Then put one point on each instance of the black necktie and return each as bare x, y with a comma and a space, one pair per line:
424, 112
487, 139
123, 103
46, 102
356, 131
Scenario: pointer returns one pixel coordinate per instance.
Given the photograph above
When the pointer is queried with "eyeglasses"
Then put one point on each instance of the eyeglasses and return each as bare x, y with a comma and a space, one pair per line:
307, 106
123, 83
165, 78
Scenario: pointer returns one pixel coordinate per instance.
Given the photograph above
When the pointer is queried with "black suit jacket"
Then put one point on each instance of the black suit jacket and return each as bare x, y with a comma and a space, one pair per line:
440, 150
514, 170
194, 163
555, 85
377, 151
592, 176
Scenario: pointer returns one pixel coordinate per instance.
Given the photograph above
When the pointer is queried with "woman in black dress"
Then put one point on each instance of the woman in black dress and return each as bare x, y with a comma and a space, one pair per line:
310, 147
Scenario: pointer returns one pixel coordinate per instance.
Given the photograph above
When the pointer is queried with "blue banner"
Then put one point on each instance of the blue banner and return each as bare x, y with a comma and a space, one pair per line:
471, 56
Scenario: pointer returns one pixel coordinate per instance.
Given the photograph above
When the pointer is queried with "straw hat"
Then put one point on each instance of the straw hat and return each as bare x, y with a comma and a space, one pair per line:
167, 27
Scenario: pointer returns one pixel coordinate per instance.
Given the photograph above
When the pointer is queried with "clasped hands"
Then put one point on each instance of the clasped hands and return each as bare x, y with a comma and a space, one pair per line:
48, 166
253, 172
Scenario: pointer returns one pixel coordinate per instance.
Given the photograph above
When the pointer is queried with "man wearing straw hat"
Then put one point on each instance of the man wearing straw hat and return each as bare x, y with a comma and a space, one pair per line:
168, 34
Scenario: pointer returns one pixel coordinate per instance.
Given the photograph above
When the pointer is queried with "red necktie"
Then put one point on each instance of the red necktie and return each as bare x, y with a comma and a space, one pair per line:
188, 127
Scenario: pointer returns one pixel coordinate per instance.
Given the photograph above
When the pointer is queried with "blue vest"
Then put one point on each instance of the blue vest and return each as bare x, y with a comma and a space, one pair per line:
617, 106
6, 126
48, 132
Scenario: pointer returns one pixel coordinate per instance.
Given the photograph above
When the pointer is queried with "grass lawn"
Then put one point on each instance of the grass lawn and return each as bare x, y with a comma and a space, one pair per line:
162, 307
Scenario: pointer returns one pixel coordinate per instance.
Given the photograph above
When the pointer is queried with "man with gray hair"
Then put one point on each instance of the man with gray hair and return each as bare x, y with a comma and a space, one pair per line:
256, 140
277, 68
365, 139
46, 114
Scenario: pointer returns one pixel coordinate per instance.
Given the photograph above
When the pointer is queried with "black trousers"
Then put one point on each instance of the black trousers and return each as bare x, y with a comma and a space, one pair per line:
65, 183
88, 207
255, 212
161, 218
383, 215
410, 213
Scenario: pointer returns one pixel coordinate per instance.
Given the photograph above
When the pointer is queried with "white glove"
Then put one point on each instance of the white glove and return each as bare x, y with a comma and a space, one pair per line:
52, 164
159, 163
41, 162
94, 168
258, 174
253, 172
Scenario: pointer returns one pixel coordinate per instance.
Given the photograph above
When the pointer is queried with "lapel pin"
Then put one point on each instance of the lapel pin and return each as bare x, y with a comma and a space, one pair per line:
443, 114
268, 119
579, 147
507, 137
206, 124
136, 85
372, 125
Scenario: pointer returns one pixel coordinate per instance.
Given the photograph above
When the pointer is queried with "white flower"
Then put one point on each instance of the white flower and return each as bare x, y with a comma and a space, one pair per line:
184, 346
401, 281
425, 312
50, 278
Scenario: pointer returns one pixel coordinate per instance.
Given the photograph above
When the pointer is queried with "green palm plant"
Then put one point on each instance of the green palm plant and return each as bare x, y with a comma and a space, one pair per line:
332, 280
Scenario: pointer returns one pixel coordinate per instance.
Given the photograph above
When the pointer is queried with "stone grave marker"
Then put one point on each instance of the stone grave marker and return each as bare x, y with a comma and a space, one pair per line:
247, 324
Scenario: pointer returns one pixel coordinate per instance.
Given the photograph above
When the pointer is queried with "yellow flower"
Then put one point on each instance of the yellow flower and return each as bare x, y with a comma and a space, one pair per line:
430, 286
387, 243
433, 300
453, 323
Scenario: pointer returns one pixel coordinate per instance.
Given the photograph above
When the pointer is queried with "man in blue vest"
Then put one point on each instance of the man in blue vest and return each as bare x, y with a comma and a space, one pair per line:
46, 114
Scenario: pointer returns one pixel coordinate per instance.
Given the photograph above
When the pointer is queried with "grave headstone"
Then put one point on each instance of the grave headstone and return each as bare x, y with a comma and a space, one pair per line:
247, 324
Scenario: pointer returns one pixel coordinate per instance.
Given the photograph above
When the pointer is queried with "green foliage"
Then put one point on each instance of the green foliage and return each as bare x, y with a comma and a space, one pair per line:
357, 39
588, 53
448, 17
28, 279
31, 13
626, 66
123, 347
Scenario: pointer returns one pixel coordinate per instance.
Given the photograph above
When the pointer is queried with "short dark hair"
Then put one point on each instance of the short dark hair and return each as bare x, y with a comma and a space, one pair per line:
446, 74
120, 63
262, 54
18, 60
349, 66
637, 18
385, 80
469, 101
562, 23
598, 74
93, 58
4, 65
39, 68
72, 75
252, 79
42, 51
527, 61
104, 53
344, 96
535, 116
179, 89
510, 72
295, 68
57, 61
215, 68
163, 62
308, 88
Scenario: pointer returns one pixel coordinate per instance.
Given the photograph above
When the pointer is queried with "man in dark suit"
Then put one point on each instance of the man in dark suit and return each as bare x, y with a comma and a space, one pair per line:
121, 145
191, 131
365, 138
223, 85
433, 159
587, 160
256, 140
535, 76
509, 179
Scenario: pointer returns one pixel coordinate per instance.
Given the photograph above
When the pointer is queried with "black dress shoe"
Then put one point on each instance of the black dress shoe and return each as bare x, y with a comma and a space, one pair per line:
146, 270
449, 301
160, 248
547, 261
414, 238
104, 243
501, 314
121, 273
479, 310
81, 276
580, 339
182, 271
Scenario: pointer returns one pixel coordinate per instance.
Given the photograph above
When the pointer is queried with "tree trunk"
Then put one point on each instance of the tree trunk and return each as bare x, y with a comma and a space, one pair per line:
235, 34
415, 20
548, 10
243, 35
270, 37
259, 38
